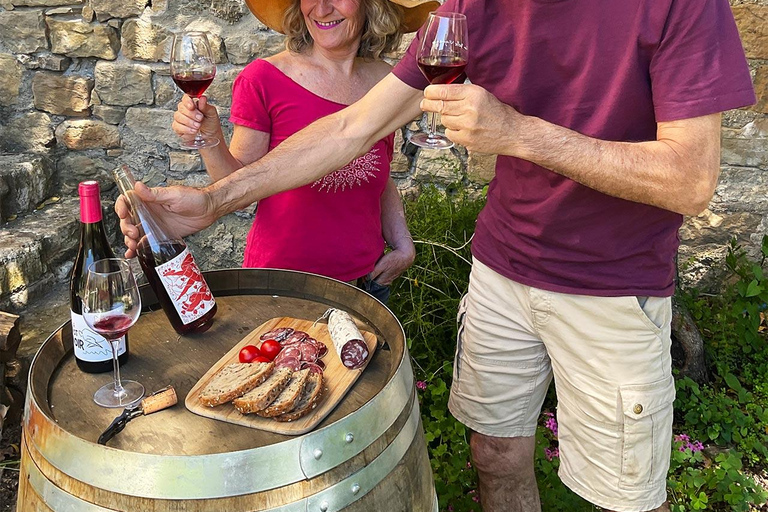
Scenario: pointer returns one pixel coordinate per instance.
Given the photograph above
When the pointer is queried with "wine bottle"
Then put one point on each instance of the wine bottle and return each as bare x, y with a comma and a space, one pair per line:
92, 352
168, 265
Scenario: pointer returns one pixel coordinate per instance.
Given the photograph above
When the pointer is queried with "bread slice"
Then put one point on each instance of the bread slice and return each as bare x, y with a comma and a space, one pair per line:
264, 394
308, 399
287, 399
234, 380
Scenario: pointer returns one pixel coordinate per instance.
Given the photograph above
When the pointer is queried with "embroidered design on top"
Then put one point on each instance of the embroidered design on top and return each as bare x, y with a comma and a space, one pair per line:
354, 173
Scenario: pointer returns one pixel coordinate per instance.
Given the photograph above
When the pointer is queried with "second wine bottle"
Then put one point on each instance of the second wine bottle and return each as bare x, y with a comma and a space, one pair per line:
168, 265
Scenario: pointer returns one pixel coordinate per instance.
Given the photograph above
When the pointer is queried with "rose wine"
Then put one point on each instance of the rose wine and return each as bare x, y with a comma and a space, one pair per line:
168, 266
193, 83
93, 353
442, 70
113, 326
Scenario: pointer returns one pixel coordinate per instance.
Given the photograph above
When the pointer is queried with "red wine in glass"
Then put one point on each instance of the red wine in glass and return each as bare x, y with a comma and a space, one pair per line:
442, 69
113, 327
442, 57
193, 83
193, 69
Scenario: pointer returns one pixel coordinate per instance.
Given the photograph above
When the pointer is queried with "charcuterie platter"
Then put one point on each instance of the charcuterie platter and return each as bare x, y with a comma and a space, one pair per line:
336, 377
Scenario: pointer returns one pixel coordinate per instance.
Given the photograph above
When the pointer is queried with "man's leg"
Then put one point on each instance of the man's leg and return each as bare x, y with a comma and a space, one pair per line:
505, 468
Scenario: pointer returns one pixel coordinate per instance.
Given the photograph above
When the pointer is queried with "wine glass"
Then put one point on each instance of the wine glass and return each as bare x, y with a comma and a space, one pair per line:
442, 58
111, 305
193, 69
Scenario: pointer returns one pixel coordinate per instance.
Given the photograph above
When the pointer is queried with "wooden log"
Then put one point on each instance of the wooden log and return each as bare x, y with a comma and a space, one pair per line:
10, 336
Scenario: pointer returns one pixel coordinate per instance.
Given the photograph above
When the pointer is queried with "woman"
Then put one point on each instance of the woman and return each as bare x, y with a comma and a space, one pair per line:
339, 225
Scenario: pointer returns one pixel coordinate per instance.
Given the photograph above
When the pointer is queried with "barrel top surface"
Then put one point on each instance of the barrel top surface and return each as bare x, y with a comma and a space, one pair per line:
246, 298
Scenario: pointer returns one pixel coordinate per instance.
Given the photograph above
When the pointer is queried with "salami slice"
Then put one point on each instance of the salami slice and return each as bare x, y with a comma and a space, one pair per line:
308, 351
279, 334
290, 351
313, 367
295, 337
320, 363
289, 362
347, 339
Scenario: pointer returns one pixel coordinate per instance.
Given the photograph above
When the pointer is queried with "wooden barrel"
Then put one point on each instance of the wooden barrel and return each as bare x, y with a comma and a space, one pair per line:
368, 455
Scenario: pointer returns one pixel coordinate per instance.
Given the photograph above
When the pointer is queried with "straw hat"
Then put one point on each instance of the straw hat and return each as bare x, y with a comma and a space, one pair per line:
270, 12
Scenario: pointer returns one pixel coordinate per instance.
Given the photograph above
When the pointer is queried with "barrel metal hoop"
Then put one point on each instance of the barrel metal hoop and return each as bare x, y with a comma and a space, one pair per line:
54, 497
340, 495
219, 475
327, 448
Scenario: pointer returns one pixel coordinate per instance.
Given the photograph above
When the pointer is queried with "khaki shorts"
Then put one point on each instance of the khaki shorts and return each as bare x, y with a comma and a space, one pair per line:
610, 358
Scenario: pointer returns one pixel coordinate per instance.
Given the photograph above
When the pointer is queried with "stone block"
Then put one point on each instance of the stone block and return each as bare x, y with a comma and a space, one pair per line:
742, 189
144, 40
43, 3
87, 134
481, 167
50, 62
230, 11
243, 47
166, 93
220, 91
123, 84
752, 21
152, 125
20, 265
185, 162
105, 9
63, 95
111, 115
437, 166
27, 180
11, 73
79, 39
23, 31
760, 82
74, 167
30, 131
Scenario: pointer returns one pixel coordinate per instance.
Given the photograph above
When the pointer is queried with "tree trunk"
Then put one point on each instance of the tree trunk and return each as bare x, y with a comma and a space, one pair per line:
686, 333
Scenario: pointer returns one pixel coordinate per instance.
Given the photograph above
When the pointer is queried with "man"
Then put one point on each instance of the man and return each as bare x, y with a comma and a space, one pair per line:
606, 119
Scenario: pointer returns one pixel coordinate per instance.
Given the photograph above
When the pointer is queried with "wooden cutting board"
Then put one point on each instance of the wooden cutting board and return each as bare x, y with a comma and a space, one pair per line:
337, 380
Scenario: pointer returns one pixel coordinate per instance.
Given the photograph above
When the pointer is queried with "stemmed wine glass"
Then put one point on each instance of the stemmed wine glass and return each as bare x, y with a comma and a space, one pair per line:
442, 58
193, 69
111, 305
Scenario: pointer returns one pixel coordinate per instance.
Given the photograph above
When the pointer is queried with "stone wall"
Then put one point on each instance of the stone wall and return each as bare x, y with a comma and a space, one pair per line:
85, 87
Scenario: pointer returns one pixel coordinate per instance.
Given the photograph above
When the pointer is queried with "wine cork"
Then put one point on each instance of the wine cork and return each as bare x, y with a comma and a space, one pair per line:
159, 401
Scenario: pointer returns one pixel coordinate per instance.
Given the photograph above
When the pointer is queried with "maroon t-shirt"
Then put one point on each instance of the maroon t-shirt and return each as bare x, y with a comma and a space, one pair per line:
610, 70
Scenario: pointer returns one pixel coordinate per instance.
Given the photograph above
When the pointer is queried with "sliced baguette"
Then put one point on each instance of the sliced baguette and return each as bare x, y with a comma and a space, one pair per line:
310, 395
264, 394
234, 380
287, 399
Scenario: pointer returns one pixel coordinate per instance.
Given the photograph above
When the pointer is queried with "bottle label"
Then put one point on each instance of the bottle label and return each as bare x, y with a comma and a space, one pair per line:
186, 287
89, 345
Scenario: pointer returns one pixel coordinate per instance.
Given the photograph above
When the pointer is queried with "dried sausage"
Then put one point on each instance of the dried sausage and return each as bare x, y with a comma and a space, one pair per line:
279, 334
349, 343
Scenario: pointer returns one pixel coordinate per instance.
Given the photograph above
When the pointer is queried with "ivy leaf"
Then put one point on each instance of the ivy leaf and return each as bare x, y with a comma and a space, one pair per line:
753, 289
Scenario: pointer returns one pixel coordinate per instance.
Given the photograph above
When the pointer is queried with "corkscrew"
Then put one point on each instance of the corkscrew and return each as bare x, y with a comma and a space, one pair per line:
157, 401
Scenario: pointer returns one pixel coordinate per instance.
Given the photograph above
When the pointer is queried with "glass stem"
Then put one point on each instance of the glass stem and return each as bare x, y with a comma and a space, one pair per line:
119, 391
432, 125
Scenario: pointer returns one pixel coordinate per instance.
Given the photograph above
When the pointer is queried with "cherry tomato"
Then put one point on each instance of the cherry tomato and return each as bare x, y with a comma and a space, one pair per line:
270, 349
248, 353
260, 359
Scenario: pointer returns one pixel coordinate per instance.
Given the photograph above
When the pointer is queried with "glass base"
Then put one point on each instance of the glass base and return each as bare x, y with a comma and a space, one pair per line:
430, 141
132, 393
201, 143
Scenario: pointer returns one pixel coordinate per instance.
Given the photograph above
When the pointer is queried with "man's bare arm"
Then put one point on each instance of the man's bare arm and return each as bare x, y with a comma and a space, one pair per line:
324, 146
678, 171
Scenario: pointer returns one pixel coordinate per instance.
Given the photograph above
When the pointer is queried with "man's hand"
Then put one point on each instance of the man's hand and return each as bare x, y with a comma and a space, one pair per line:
184, 210
473, 117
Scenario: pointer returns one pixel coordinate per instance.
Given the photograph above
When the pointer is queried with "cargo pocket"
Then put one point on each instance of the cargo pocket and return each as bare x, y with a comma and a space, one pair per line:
647, 433
460, 315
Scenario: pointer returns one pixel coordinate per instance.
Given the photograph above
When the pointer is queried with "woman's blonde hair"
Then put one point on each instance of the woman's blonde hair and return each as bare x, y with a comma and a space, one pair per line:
382, 30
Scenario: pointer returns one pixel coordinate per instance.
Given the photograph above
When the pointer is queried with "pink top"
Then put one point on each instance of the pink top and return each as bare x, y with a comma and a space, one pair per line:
330, 227
609, 70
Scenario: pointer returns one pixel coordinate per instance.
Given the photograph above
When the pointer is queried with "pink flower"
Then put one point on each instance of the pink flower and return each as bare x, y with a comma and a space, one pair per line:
687, 444
450, 508
421, 385
551, 453
469, 464
551, 424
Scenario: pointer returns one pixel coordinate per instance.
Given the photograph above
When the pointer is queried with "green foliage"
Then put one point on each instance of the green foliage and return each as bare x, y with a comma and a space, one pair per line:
730, 415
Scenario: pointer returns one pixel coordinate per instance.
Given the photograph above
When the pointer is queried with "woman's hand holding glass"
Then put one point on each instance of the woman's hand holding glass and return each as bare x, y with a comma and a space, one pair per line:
192, 119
